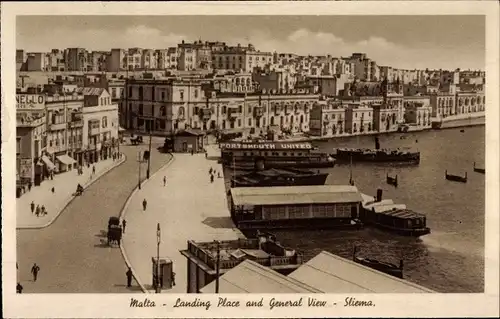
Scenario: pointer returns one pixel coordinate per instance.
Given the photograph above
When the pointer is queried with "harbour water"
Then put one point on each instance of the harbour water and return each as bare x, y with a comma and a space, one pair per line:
451, 258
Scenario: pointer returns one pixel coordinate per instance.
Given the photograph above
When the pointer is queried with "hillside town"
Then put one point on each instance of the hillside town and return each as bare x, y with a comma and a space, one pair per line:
91, 111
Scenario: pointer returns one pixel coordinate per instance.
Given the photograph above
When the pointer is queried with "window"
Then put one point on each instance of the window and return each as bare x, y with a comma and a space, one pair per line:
249, 122
181, 93
113, 92
195, 94
240, 109
153, 94
239, 122
249, 109
163, 95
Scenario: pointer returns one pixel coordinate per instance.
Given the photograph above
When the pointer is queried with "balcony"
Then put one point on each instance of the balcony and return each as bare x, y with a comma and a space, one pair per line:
94, 131
258, 111
57, 127
75, 124
205, 114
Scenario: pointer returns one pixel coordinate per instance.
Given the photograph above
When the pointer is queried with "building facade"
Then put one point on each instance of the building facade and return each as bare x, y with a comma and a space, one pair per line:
30, 137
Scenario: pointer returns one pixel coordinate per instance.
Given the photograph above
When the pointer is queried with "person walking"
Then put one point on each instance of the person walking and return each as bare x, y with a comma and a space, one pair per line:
129, 277
93, 169
53, 190
164, 181
29, 186
37, 210
32, 207
144, 204
34, 271
124, 223
19, 288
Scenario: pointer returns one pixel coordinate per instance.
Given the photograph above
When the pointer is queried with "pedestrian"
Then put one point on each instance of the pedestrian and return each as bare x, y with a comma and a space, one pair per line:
32, 207
53, 190
124, 223
29, 186
164, 181
37, 210
52, 175
206, 155
173, 278
129, 277
34, 270
19, 288
93, 169
43, 212
144, 204
211, 178
192, 152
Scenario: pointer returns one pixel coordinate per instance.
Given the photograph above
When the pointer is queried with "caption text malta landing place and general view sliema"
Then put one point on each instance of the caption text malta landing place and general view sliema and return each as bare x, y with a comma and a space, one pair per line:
293, 154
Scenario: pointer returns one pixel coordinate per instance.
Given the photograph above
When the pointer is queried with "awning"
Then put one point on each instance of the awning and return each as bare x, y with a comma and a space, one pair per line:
48, 163
121, 129
65, 159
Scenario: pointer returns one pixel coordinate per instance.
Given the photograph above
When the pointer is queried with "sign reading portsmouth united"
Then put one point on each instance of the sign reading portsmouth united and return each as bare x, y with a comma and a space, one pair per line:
266, 146
30, 101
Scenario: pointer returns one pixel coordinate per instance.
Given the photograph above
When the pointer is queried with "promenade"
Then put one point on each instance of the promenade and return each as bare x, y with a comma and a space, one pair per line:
189, 207
64, 186
72, 252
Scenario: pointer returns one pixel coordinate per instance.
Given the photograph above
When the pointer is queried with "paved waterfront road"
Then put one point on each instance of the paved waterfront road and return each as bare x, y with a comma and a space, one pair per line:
70, 254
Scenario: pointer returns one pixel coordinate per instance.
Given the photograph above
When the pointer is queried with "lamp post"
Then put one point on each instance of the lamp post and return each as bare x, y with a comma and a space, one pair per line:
158, 240
149, 157
139, 160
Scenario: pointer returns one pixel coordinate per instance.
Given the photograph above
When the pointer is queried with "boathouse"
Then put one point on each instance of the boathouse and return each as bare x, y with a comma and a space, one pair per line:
264, 250
297, 205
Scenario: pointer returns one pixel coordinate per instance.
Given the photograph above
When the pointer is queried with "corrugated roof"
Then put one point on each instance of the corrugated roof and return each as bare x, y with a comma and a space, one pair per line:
333, 274
251, 277
89, 90
286, 195
402, 212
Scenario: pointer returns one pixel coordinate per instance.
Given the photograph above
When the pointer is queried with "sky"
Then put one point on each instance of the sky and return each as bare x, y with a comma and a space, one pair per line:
410, 42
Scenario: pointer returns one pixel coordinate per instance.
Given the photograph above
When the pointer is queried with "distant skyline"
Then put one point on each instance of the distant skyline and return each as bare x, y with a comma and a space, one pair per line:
409, 42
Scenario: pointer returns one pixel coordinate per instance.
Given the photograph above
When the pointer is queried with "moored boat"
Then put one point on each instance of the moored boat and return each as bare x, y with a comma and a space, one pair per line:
392, 180
391, 217
266, 155
279, 177
384, 267
456, 178
478, 169
376, 155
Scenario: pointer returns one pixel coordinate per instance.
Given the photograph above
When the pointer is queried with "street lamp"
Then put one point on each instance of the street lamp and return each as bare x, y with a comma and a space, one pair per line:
158, 240
139, 160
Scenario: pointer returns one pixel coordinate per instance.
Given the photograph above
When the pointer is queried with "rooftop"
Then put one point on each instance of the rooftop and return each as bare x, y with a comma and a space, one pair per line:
251, 277
90, 90
289, 195
333, 274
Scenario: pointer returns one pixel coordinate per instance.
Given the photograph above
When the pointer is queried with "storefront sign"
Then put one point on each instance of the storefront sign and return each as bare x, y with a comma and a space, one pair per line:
30, 101
266, 146
25, 167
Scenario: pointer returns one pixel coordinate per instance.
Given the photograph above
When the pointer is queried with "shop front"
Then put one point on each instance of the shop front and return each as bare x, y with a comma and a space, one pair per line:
66, 163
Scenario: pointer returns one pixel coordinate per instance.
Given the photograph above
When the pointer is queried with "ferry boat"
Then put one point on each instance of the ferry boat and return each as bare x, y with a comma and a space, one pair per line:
376, 155
391, 217
266, 155
279, 177
296, 207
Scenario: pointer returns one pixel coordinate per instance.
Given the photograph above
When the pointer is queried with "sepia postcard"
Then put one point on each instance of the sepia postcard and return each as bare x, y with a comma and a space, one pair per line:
302, 159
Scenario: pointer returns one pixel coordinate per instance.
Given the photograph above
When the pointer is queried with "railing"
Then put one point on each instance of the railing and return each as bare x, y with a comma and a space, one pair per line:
74, 124
58, 126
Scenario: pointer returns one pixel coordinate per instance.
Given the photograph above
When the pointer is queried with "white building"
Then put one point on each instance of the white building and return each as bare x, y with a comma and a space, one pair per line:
100, 123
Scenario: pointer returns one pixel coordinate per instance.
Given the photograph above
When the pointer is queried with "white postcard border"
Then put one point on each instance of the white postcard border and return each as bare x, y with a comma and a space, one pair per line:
387, 305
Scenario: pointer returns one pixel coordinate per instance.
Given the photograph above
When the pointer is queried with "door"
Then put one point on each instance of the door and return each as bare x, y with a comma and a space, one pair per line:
184, 147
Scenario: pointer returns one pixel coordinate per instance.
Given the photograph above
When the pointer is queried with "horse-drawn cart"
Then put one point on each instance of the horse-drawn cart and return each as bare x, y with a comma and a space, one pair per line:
136, 140
114, 231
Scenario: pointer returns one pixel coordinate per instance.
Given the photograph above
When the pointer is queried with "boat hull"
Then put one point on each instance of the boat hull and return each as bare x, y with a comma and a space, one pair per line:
376, 157
383, 267
290, 224
244, 166
409, 232
316, 179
